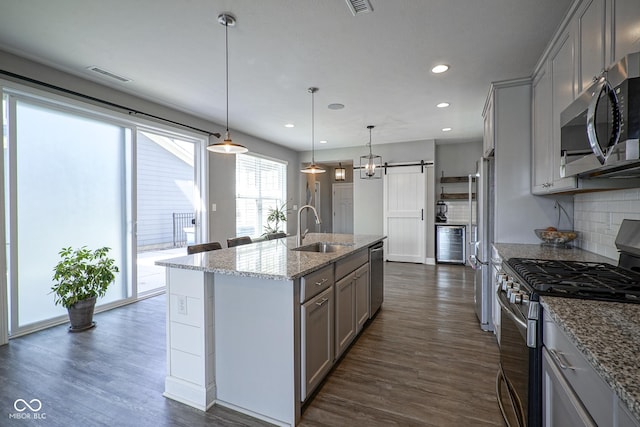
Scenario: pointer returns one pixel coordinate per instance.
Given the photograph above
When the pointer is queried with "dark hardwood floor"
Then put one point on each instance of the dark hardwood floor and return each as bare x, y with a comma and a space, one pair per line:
423, 361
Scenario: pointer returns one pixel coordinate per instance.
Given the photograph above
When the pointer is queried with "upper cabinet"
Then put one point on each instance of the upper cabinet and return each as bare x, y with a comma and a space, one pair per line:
488, 140
626, 28
594, 34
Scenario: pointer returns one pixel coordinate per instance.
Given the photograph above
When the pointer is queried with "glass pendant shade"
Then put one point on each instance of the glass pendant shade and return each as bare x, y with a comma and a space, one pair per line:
341, 173
370, 164
313, 169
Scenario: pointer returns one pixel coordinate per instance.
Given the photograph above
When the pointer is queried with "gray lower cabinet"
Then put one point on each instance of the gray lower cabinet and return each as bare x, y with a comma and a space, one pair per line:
573, 394
345, 312
317, 324
561, 405
362, 296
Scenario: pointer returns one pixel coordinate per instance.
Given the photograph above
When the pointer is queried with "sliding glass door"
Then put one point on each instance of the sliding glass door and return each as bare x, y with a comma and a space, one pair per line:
74, 175
168, 202
66, 184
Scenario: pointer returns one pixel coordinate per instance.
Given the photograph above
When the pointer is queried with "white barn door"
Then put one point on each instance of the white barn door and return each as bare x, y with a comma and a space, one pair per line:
404, 213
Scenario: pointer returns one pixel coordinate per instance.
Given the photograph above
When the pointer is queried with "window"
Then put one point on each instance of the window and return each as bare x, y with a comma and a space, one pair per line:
261, 184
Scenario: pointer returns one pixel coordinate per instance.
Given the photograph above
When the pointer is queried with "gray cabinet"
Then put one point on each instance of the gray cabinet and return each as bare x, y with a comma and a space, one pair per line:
488, 139
345, 312
589, 30
595, 34
541, 177
362, 296
573, 394
626, 31
317, 325
317, 322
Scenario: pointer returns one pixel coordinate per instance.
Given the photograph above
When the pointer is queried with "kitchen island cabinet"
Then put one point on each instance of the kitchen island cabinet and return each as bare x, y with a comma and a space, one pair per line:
243, 324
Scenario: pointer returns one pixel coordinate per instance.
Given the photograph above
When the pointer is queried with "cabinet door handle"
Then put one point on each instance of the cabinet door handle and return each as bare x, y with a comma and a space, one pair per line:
322, 282
321, 303
422, 214
560, 359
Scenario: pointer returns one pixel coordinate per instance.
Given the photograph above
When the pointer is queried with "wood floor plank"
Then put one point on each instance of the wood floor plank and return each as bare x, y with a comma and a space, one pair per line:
423, 361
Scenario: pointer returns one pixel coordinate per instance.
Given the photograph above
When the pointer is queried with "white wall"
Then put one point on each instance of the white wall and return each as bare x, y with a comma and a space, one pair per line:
598, 217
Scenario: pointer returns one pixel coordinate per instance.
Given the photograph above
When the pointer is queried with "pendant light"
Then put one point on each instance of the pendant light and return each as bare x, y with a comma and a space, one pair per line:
227, 146
371, 164
341, 173
312, 168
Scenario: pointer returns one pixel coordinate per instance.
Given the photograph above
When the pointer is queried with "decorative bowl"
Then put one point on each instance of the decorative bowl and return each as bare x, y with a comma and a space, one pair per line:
555, 237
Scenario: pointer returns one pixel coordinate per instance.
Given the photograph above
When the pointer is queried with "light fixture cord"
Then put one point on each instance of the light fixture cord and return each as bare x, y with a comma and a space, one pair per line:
313, 157
226, 58
370, 153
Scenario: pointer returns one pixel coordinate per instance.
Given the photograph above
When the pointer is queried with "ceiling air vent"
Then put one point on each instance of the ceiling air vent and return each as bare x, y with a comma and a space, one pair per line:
109, 74
359, 6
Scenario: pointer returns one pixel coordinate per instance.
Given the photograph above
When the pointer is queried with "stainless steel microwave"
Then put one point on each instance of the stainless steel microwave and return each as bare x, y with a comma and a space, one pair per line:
600, 130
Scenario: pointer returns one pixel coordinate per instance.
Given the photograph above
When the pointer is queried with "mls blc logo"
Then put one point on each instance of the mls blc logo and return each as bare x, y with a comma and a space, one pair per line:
28, 410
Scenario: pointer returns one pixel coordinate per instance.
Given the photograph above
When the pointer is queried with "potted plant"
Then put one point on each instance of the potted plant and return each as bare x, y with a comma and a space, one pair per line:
275, 216
81, 276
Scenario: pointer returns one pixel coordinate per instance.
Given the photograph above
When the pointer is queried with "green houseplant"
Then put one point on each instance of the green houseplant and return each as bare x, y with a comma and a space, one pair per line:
275, 216
81, 276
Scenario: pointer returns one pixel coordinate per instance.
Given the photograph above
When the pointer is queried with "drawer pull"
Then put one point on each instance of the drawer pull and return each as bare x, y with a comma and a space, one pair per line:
321, 303
560, 359
322, 282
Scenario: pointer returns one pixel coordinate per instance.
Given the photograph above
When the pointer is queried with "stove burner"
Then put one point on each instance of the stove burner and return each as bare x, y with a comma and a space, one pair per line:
576, 279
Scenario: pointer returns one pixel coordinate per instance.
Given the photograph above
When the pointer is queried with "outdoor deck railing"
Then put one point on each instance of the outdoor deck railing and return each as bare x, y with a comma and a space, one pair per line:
181, 220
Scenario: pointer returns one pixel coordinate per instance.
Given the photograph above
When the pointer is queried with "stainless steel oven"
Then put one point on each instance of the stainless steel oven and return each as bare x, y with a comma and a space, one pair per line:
517, 388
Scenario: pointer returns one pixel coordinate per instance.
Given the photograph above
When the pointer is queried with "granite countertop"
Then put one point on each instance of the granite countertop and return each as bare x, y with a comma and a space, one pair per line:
533, 251
272, 259
608, 334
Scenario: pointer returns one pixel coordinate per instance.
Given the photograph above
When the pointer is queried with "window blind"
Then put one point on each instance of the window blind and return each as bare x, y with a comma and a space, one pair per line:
261, 184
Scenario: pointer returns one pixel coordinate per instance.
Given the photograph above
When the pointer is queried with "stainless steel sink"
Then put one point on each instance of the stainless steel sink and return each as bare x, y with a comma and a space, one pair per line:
322, 247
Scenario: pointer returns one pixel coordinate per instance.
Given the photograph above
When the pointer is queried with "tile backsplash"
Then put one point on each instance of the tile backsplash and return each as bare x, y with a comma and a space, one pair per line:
597, 218
458, 211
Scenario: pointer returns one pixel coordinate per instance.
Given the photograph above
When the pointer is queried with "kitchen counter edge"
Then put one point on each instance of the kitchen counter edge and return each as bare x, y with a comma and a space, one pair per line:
298, 263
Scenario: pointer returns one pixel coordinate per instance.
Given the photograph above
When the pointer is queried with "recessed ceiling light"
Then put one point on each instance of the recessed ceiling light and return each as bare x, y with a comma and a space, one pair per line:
440, 68
446, 129
323, 142
442, 105
289, 125
336, 106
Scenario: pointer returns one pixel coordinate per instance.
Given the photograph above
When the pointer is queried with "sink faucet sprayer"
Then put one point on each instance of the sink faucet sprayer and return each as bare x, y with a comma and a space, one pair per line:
301, 233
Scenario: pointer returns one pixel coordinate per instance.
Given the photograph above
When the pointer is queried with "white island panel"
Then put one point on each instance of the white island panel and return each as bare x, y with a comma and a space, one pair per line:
190, 335
257, 342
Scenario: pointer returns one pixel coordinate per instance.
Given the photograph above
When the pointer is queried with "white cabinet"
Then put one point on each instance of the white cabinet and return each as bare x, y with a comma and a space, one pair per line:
362, 296
345, 312
317, 325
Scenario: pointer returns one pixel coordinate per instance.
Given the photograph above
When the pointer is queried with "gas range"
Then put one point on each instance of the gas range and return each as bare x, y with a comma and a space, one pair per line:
573, 279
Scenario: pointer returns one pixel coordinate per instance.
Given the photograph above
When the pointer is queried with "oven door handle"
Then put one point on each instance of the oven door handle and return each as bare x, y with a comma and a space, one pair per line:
507, 310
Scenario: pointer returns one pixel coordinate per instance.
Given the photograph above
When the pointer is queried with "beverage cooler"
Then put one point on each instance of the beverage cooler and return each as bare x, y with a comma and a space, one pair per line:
450, 244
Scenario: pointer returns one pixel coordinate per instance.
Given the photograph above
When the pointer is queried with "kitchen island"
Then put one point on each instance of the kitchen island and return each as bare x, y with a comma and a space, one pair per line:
239, 320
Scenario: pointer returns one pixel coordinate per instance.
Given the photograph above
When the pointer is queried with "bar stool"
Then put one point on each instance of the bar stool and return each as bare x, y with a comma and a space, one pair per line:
277, 235
236, 241
203, 247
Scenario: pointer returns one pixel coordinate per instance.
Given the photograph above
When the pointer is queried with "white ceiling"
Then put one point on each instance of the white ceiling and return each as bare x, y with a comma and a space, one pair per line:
376, 64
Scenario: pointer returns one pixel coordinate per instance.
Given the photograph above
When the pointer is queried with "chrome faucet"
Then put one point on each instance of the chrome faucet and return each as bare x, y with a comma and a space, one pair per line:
302, 234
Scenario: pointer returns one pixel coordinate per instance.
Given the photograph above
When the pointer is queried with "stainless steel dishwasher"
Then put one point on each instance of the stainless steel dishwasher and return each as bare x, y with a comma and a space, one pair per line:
376, 277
